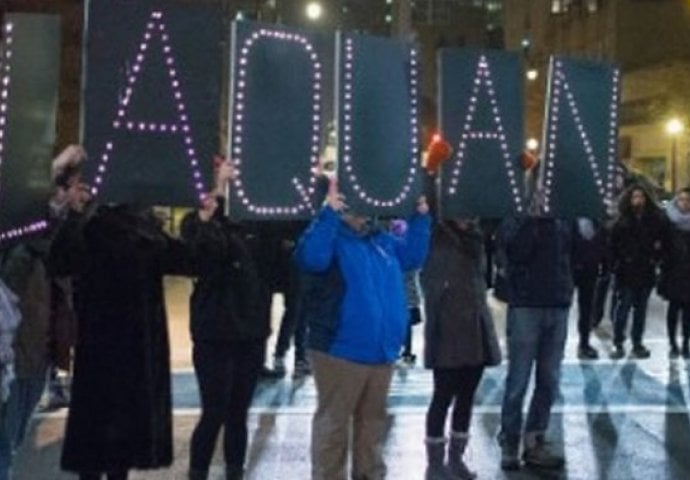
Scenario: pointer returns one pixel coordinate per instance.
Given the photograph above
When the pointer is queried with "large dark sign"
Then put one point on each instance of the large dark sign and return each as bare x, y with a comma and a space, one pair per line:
151, 100
378, 132
281, 88
580, 138
29, 72
480, 101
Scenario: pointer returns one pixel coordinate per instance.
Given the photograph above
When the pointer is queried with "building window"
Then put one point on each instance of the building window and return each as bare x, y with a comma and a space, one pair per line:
593, 6
560, 6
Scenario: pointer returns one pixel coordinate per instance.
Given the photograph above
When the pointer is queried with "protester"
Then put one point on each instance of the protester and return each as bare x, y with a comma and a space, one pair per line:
637, 239
460, 340
589, 252
540, 290
357, 320
674, 284
120, 416
228, 331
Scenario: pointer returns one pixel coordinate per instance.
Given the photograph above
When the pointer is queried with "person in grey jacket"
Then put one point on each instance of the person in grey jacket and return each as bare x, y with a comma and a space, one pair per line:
460, 340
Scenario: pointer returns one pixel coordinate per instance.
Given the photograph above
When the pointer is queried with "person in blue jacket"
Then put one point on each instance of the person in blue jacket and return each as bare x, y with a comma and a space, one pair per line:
357, 313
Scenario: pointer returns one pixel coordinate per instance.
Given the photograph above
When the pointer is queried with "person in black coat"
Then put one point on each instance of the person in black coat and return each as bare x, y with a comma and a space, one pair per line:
228, 330
120, 416
460, 339
589, 252
674, 283
637, 239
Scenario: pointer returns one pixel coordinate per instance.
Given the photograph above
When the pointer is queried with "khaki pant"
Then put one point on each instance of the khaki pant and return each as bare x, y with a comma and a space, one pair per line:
349, 392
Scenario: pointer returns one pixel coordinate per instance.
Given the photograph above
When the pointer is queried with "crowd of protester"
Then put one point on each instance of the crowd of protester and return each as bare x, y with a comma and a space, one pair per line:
86, 296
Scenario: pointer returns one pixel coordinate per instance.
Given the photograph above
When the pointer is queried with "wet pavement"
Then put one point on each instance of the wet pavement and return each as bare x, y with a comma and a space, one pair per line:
623, 419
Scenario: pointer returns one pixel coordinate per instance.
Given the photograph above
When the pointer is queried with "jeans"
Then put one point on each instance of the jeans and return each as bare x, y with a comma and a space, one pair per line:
536, 338
227, 376
627, 299
456, 385
25, 393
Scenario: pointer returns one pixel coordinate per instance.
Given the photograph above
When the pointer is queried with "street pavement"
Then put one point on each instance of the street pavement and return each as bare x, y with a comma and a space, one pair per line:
624, 419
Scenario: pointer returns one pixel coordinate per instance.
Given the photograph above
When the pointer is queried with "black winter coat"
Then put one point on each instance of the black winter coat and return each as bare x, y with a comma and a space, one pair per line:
674, 283
636, 245
226, 304
459, 329
120, 415
538, 262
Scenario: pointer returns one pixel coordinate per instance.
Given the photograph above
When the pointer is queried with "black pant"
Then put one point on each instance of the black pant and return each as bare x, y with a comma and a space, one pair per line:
450, 384
627, 299
293, 323
586, 282
601, 292
672, 314
415, 318
108, 476
227, 374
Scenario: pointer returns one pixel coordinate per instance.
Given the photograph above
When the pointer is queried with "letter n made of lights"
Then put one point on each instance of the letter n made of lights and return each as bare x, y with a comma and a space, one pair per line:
562, 96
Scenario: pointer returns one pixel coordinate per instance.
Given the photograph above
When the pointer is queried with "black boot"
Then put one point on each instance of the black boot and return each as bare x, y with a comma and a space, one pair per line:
197, 474
456, 450
435, 455
234, 472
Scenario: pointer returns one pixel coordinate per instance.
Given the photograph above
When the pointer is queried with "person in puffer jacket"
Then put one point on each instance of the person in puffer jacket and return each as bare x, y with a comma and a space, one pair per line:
357, 313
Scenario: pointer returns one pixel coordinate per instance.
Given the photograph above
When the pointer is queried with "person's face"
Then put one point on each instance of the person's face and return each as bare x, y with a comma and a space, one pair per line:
683, 202
356, 222
638, 199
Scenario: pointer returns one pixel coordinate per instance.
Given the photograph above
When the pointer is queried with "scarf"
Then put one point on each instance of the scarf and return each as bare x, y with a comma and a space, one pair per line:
679, 219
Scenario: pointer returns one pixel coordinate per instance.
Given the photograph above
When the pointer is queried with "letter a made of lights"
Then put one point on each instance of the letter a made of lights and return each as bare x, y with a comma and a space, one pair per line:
348, 80
561, 92
483, 78
155, 27
5, 80
239, 112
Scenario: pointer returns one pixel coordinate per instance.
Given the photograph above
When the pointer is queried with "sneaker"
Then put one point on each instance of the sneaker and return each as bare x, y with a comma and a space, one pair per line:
587, 352
673, 352
640, 351
540, 455
510, 460
302, 369
279, 369
618, 352
409, 359
268, 374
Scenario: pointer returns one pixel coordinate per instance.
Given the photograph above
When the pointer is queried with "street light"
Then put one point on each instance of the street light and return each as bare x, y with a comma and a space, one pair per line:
532, 74
314, 11
532, 144
674, 127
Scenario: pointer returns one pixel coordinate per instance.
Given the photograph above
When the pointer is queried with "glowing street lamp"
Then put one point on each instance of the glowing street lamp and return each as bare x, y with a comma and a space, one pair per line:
532, 144
532, 74
674, 127
314, 11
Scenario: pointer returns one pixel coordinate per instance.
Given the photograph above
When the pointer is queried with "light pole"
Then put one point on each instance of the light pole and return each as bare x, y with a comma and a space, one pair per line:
674, 127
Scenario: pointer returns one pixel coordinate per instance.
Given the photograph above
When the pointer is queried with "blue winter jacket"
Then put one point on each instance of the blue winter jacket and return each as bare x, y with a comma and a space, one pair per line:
356, 308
